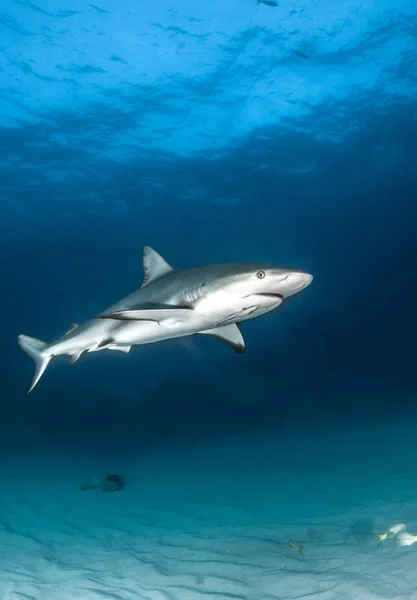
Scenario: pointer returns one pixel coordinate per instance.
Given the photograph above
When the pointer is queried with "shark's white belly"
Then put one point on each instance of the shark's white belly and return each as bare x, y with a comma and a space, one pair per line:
99, 334
134, 333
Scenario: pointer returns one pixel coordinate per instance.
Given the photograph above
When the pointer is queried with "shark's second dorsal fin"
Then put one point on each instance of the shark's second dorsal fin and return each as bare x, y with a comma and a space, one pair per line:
154, 266
71, 328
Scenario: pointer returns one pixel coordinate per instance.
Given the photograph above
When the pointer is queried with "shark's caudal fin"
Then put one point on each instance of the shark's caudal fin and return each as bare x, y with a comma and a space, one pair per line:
36, 350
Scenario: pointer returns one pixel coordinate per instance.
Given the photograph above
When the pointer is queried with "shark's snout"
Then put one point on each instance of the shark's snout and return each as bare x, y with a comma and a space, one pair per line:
295, 282
303, 279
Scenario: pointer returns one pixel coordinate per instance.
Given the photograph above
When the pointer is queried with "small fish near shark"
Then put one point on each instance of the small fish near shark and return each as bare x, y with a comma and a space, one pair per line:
207, 300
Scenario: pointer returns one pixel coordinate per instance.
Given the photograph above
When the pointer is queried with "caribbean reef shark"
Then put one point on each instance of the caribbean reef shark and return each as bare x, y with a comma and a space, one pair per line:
207, 299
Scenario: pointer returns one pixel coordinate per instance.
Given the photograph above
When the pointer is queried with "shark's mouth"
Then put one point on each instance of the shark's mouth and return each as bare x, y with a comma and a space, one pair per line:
271, 295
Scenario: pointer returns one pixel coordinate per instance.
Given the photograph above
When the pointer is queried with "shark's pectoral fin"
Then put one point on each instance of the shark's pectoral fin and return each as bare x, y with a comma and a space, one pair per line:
154, 314
229, 334
154, 266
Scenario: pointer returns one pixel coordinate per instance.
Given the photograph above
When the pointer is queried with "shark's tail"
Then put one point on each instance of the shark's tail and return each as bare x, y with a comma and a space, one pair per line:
37, 351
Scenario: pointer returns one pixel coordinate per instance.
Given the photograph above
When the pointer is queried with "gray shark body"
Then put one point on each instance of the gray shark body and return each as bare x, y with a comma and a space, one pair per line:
208, 299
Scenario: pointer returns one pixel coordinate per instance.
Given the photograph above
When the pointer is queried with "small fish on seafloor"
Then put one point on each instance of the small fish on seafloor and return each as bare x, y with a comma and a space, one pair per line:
268, 2
392, 531
397, 528
406, 539
297, 547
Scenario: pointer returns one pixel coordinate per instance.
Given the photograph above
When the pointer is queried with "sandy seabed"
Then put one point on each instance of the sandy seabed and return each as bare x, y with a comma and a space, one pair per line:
214, 521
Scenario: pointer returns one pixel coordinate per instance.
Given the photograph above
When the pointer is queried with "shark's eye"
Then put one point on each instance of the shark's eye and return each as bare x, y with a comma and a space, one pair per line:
260, 274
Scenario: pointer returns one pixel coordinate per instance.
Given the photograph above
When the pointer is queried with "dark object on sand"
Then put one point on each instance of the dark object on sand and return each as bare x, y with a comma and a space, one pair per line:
268, 2
300, 54
109, 483
115, 483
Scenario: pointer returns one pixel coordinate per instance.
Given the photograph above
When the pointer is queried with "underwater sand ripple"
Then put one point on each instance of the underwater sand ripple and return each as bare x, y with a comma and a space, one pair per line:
165, 539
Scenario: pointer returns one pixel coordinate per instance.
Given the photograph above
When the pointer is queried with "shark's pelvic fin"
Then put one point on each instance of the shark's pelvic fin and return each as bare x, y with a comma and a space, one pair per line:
229, 334
154, 266
106, 342
36, 349
124, 349
152, 314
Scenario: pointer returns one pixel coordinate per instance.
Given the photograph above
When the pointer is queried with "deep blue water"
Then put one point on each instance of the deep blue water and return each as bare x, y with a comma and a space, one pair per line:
194, 157
213, 132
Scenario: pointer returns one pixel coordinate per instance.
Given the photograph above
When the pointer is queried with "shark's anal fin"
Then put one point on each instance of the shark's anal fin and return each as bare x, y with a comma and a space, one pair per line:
152, 314
74, 357
229, 334
154, 266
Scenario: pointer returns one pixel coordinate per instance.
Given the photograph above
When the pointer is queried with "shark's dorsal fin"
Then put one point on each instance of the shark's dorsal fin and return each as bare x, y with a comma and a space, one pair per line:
154, 266
229, 334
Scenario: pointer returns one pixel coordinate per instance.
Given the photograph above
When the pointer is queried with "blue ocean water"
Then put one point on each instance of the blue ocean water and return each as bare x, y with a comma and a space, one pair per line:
212, 132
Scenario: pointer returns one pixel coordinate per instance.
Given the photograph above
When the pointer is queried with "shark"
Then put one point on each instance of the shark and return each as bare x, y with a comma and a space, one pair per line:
173, 303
